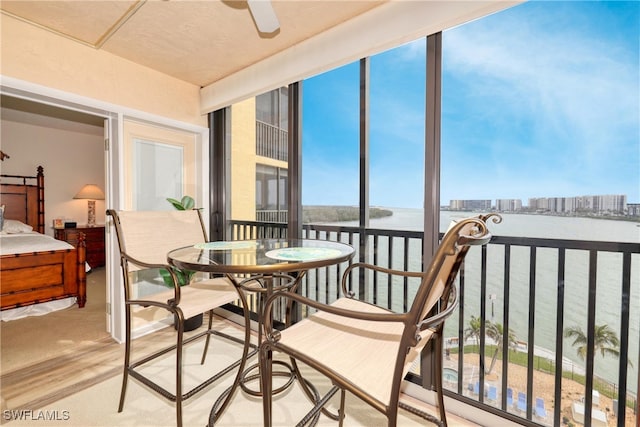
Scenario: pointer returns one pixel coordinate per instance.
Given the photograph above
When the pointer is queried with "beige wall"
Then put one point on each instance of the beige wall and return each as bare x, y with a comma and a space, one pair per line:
243, 160
71, 157
37, 56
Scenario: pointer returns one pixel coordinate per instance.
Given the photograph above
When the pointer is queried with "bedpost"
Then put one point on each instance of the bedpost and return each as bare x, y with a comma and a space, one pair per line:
40, 185
82, 271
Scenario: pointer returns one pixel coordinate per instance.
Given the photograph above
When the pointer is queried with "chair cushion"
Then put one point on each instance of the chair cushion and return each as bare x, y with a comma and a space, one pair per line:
149, 235
200, 297
343, 344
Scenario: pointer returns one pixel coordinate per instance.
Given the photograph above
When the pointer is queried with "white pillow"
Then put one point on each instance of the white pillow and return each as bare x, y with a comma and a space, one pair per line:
12, 226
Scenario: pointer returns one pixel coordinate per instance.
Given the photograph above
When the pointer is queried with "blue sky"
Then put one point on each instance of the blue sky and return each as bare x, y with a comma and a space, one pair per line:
541, 100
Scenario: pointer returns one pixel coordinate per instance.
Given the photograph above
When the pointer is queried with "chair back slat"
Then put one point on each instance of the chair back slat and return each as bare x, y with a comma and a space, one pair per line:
447, 260
148, 236
441, 274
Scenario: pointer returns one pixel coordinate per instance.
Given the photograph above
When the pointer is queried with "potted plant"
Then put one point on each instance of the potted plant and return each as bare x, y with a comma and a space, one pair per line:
183, 276
185, 204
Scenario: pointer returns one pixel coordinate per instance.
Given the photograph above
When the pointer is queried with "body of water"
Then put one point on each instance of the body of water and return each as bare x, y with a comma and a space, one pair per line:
609, 283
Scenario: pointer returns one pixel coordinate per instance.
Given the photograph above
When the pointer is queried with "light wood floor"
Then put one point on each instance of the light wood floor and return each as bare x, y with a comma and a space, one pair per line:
42, 383
36, 386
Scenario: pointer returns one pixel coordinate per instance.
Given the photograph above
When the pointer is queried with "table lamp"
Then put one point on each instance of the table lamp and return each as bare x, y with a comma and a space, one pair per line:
92, 193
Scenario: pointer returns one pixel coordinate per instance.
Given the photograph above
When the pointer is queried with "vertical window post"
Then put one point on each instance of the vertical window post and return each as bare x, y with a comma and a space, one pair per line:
432, 180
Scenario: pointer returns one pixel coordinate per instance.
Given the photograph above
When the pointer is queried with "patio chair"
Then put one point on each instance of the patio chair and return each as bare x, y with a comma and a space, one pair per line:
144, 239
540, 410
367, 350
522, 402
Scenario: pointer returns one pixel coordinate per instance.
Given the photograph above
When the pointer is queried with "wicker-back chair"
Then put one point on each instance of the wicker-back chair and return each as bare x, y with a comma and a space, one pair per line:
367, 350
144, 239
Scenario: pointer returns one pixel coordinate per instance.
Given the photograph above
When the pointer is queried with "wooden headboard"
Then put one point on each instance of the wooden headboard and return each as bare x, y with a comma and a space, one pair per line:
23, 198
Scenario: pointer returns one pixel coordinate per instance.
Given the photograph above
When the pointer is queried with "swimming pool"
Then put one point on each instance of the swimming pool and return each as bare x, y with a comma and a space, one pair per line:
450, 375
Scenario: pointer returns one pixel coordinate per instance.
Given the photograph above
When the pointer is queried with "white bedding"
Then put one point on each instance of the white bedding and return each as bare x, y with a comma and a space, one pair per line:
20, 243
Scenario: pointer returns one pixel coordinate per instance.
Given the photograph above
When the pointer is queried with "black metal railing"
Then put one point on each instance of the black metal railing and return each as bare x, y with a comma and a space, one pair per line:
535, 280
271, 141
271, 215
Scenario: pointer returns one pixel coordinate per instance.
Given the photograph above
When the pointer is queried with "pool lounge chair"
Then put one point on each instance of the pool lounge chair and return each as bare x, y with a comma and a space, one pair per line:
540, 410
522, 402
509, 398
492, 394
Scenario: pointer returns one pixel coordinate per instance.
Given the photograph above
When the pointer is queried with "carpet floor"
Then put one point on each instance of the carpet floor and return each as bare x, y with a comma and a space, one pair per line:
34, 339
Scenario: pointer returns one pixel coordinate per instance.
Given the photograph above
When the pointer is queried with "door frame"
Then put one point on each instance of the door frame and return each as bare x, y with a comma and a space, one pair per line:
114, 116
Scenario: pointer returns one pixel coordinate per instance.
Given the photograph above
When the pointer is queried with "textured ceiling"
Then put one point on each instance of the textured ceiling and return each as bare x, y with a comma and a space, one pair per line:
198, 41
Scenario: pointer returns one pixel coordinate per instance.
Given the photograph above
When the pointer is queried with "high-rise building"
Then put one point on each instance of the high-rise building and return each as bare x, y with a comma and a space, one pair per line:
508, 205
470, 205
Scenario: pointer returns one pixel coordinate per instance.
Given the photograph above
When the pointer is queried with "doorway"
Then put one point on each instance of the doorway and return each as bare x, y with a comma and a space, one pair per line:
69, 145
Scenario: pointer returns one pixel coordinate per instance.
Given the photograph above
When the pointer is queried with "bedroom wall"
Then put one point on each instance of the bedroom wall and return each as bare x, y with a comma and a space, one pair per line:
71, 154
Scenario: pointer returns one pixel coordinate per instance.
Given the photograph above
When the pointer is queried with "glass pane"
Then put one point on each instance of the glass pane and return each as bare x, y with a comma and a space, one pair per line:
540, 119
397, 123
266, 179
158, 174
330, 144
284, 108
267, 108
283, 185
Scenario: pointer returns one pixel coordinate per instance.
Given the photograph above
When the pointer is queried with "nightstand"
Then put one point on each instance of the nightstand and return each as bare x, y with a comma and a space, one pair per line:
94, 240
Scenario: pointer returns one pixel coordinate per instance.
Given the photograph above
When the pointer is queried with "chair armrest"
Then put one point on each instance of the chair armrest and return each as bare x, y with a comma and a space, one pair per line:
376, 268
273, 335
176, 287
440, 317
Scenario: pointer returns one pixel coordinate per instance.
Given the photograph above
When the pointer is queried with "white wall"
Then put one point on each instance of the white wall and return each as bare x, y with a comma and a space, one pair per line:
71, 157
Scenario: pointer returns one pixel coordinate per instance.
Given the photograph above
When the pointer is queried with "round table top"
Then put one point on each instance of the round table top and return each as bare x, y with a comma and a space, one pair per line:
260, 256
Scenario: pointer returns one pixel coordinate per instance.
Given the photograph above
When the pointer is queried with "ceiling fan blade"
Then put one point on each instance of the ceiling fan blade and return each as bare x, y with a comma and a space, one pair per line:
264, 15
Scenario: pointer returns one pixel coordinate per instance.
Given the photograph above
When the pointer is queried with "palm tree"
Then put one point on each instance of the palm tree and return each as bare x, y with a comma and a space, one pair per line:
605, 340
495, 331
473, 331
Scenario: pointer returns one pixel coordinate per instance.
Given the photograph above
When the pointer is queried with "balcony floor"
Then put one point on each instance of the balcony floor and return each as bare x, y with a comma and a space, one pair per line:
87, 385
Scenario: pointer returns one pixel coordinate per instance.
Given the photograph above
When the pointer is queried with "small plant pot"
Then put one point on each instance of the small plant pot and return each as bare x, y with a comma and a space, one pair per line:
192, 323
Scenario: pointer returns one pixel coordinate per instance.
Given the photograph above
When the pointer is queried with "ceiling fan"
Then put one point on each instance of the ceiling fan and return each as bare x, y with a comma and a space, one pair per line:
264, 15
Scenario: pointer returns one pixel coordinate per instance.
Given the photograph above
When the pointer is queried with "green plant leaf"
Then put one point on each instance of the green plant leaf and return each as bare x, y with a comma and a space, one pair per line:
188, 202
176, 204
184, 276
185, 204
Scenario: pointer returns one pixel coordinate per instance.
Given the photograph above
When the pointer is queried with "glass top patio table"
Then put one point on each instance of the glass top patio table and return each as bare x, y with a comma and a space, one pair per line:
263, 260
262, 256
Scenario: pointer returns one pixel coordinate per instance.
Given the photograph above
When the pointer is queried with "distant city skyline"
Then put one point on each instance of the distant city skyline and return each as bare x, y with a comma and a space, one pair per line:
615, 204
540, 100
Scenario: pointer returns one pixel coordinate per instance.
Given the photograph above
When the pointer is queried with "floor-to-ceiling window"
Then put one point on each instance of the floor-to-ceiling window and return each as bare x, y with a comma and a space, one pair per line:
519, 118
540, 121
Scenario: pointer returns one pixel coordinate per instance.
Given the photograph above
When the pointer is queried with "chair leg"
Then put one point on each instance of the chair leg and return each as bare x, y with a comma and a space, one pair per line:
206, 342
341, 414
438, 379
127, 358
266, 360
180, 333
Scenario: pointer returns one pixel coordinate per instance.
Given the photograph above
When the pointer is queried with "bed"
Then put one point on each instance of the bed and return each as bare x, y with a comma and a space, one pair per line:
34, 267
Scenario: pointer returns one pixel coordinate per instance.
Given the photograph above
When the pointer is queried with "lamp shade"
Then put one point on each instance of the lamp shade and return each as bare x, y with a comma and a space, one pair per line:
90, 191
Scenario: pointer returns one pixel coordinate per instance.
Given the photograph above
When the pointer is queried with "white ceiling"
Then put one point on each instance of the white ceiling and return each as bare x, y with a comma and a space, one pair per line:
198, 41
